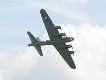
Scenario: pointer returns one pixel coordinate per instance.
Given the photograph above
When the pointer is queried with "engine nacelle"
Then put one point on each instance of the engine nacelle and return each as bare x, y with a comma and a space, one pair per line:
68, 46
61, 34
57, 27
71, 52
67, 39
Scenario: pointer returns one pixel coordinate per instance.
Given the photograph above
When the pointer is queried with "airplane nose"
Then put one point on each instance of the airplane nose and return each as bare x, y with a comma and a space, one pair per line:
71, 38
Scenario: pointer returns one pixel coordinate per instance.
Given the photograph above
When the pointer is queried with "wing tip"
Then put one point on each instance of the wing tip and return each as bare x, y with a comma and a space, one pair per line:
28, 32
41, 54
74, 67
42, 10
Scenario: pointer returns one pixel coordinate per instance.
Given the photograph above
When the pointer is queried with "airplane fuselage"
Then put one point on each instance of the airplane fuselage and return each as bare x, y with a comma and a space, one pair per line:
49, 42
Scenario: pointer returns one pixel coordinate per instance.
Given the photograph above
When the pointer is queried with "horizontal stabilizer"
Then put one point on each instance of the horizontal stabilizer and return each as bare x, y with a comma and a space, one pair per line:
34, 41
32, 38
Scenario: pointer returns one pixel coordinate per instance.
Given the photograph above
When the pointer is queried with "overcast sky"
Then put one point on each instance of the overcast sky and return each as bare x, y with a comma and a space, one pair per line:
82, 19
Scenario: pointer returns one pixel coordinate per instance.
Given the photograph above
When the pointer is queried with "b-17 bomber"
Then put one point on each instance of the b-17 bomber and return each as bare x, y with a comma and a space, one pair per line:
58, 40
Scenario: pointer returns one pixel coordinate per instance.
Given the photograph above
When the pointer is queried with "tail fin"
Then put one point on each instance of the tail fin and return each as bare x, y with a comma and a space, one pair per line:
35, 40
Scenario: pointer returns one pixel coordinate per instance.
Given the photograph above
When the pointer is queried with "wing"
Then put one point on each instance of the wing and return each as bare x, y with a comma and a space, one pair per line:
64, 52
49, 26
60, 46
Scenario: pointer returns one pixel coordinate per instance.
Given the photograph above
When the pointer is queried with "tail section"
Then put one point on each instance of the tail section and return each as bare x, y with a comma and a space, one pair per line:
34, 41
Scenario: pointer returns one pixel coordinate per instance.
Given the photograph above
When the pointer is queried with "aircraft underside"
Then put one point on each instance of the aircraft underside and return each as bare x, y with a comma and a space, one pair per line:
58, 40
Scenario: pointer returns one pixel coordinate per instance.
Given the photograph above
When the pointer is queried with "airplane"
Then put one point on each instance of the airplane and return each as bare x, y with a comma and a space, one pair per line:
58, 40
